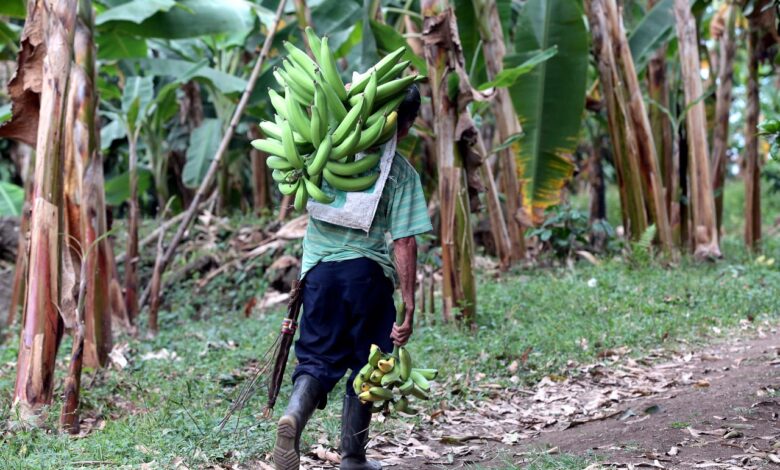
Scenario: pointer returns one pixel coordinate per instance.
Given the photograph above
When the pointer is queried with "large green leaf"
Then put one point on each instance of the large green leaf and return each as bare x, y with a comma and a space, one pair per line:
550, 99
656, 27
11, 199
136, 11
5, 112
13, 8
224, 82
508, 76
336, 19
113, 45
204, 142
190, 18
118, 188
138, 93
388, 40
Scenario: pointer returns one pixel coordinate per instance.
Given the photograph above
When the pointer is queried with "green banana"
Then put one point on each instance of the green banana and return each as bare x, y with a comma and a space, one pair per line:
402, 406
420, 381
386, 108
421, 394
374, 355
392, 87
366, 397
376, 376
407, 387
391, 378
274, 130
315, 43
330, 70
316, 193
357, 384
347, 147
300, 197
370, 94
320, 159
405, 360
391, 126
297, 116
348, 123
357, 167
335, 106
279, 176
321, 107
381, 68
278, 103
365, 372
278, 77
270, 146
278, 163
429, 374
300, 94
288, 142
394, 72
300, 78
301, 59
289, 188
382, 392
370, 135
359, 183
314, 125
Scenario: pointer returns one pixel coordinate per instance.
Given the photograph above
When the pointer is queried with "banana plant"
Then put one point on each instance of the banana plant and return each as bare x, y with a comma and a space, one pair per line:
549, 100
11, 199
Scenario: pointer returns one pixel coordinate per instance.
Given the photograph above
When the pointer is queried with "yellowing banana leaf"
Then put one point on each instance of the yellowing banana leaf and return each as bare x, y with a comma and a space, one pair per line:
550, 99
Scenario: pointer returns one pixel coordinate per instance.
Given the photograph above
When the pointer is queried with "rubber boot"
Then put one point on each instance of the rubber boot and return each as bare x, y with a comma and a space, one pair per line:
355, 418
306, 395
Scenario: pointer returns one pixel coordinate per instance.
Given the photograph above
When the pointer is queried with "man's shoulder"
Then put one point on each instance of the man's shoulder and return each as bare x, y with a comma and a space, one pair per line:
402, 168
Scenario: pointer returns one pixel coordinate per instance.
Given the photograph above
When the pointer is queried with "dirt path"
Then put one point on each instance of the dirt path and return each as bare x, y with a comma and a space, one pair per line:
715, 408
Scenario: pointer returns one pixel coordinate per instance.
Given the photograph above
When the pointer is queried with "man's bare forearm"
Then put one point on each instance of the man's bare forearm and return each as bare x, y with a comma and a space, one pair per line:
406, 263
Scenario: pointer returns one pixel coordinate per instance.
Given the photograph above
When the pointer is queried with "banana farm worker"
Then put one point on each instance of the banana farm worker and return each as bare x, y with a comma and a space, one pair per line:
348, 305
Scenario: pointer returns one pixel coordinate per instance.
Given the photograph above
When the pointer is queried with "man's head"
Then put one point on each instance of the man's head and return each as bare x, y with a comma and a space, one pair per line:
407, 110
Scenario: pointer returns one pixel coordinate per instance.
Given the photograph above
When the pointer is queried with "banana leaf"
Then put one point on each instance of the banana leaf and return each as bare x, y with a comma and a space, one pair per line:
12, 8
204, 141
656, 27
550, 99
11, 199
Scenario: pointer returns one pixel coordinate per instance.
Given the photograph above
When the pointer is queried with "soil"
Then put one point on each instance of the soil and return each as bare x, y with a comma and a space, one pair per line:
713, 408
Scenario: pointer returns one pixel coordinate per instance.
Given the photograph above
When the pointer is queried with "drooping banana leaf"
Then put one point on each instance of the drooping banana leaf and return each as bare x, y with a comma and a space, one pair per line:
550, 99
188, 18
204, 141
656, 27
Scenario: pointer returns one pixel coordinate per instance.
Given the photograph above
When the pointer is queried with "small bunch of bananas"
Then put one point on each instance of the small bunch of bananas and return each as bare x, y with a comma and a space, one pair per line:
376, 381
320, 126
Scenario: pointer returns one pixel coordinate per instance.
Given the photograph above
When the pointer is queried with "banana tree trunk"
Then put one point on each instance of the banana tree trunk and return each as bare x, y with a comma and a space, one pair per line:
131, 266
704, 229
752, 173
506, 121
445, 58
653, 187
720, 137
624, 142
261, 189
22, 250
40, 333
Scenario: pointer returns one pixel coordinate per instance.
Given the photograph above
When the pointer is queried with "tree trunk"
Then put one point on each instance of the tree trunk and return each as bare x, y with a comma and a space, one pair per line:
261, 189
506, 121
40, 333
704, 230
22, 249
131, 265
621, 131
445, 57
655, 200
720, 138
751, 158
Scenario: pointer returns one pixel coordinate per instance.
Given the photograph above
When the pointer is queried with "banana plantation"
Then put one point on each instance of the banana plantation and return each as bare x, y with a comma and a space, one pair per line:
518, 233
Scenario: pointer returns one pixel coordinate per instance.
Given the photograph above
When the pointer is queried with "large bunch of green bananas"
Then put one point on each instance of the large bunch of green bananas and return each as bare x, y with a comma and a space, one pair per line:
392, 379
320, 125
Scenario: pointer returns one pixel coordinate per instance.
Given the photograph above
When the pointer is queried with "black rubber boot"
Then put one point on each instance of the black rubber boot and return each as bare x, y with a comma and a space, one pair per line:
355, 419
307, 394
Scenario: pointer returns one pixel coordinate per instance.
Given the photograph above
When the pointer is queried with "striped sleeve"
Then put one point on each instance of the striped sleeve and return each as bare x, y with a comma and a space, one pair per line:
408, 211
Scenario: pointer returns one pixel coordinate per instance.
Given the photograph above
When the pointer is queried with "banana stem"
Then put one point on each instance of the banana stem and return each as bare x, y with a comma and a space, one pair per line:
400, 314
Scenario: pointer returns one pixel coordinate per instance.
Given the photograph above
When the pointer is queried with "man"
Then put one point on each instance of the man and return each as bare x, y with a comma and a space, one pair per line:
348, 305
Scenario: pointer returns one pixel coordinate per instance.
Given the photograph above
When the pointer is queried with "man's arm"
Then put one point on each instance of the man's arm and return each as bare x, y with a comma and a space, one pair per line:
406, 263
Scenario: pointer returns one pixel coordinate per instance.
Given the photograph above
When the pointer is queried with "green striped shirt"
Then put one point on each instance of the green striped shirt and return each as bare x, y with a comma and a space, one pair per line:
402, 212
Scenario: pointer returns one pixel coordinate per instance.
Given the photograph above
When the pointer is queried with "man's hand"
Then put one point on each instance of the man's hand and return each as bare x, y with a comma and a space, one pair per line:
401, 333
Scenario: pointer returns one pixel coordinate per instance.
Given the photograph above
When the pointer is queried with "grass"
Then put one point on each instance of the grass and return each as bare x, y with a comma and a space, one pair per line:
164, 411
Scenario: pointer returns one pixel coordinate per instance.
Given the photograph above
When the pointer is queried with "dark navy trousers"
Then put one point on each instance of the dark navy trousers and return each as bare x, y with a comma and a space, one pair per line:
347, 306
